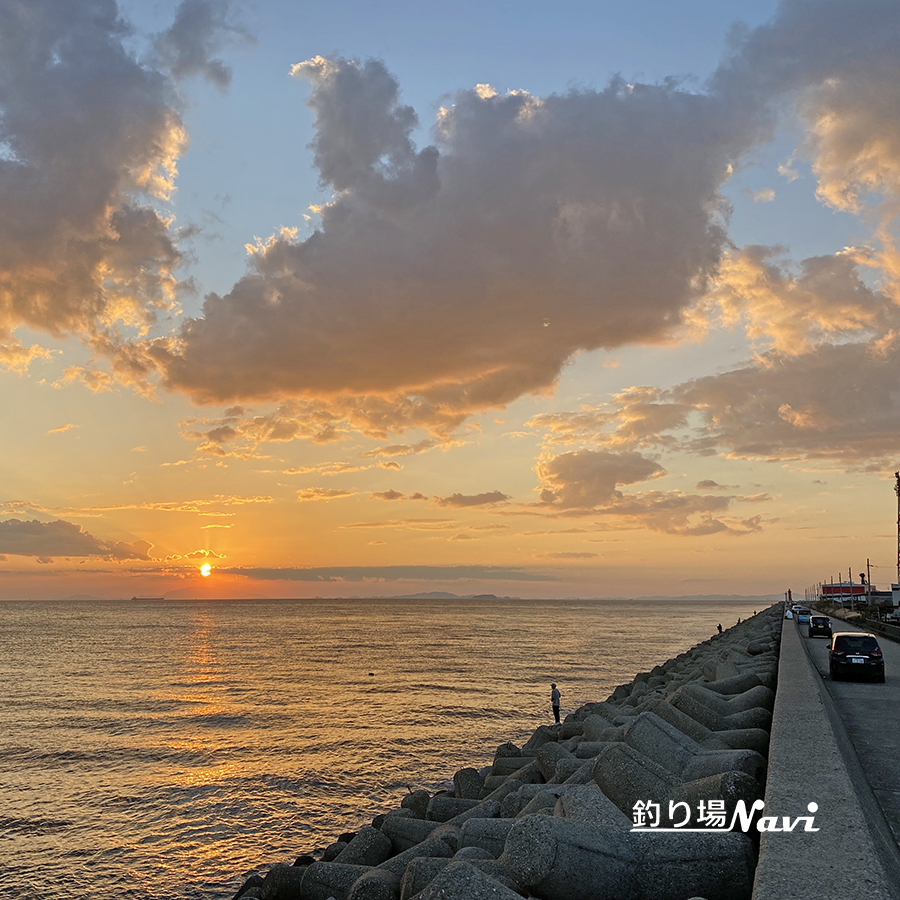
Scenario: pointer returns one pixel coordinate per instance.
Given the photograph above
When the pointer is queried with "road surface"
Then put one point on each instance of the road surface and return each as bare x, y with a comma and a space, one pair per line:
870, 713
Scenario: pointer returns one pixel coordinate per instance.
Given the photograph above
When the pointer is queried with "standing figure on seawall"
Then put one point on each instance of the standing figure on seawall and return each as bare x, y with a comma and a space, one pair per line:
554, 701
719, 626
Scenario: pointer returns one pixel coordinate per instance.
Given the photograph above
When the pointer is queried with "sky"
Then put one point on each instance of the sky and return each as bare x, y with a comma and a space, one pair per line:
356, 299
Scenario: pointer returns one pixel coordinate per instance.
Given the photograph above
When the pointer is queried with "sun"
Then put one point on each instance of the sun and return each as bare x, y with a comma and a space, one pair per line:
205, 569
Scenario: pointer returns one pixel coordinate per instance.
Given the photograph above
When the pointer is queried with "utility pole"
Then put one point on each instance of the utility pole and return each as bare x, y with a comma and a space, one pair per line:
897, 492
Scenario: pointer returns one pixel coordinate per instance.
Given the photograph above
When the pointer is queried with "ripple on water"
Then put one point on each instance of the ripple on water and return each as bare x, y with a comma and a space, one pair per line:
237, 734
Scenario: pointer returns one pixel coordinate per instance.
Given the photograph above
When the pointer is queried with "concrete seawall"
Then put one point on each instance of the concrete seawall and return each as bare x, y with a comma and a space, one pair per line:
811, 761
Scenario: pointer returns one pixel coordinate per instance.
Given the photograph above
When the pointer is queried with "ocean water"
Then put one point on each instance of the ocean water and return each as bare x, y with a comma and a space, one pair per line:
166, 749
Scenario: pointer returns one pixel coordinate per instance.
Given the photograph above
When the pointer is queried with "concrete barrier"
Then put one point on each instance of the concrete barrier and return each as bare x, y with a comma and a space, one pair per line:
806, 766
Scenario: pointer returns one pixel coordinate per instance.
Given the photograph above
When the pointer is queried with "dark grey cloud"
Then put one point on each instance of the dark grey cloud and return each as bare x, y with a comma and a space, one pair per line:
390, 573
45, 540
87, 132
200, 29
462, 501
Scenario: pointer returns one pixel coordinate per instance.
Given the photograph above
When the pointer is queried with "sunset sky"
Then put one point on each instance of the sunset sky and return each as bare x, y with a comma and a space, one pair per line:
372, 299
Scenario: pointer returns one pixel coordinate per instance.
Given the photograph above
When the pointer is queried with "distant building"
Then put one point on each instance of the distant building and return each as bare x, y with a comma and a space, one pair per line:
843, 592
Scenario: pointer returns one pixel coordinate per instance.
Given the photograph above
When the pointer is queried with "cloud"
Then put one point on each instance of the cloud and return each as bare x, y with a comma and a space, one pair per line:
59, 538
766, 195
90, 137
200, 28
586, 482
319, 493
585, 479
417, 496
388, 495
823, 299
840, 75
567, 554
390, 573
461, 501
605, 200
407, 524
834, 403
203, 554
14, 355
61, 428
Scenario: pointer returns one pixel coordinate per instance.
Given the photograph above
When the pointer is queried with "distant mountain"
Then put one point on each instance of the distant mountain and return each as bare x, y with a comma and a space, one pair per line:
444, 595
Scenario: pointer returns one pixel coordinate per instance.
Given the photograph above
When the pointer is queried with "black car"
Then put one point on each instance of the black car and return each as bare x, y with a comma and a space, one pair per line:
820, 625
855, 653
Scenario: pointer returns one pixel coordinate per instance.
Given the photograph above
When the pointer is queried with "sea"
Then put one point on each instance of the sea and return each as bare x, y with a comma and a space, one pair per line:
169, 748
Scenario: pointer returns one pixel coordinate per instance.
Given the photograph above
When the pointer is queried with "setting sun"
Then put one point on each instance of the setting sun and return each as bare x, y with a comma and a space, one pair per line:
205, 569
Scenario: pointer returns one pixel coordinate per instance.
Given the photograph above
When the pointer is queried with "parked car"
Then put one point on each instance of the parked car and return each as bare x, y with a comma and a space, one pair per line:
819, 625
803, 615
855, 653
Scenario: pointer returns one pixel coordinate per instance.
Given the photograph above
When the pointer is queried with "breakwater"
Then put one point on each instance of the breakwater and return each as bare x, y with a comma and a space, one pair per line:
553, 818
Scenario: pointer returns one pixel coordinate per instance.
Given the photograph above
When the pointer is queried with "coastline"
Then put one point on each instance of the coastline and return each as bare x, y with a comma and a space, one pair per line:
693, 732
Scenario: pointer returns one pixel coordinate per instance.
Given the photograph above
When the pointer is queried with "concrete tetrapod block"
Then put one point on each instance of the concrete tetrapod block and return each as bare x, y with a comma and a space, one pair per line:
626, 776
735, 739
547, 758
684, 757
421, 872
471, 853
329, 879
603, 708
726, 705
705, 715
582, 775
462, 881
587, 803
712, 865
565, 769
589, 749
529, 774
507, 765
489, 834
449, 834
282, 882
405, 833
756, 739
729, 787
543, 734
560, 859
594, 726
715, 762
737, 683
492, 782
545, 801
416, 802
443, 807
509, 786
434, 846
468, 784
369, 848
570, 728
375, 885
487, 809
